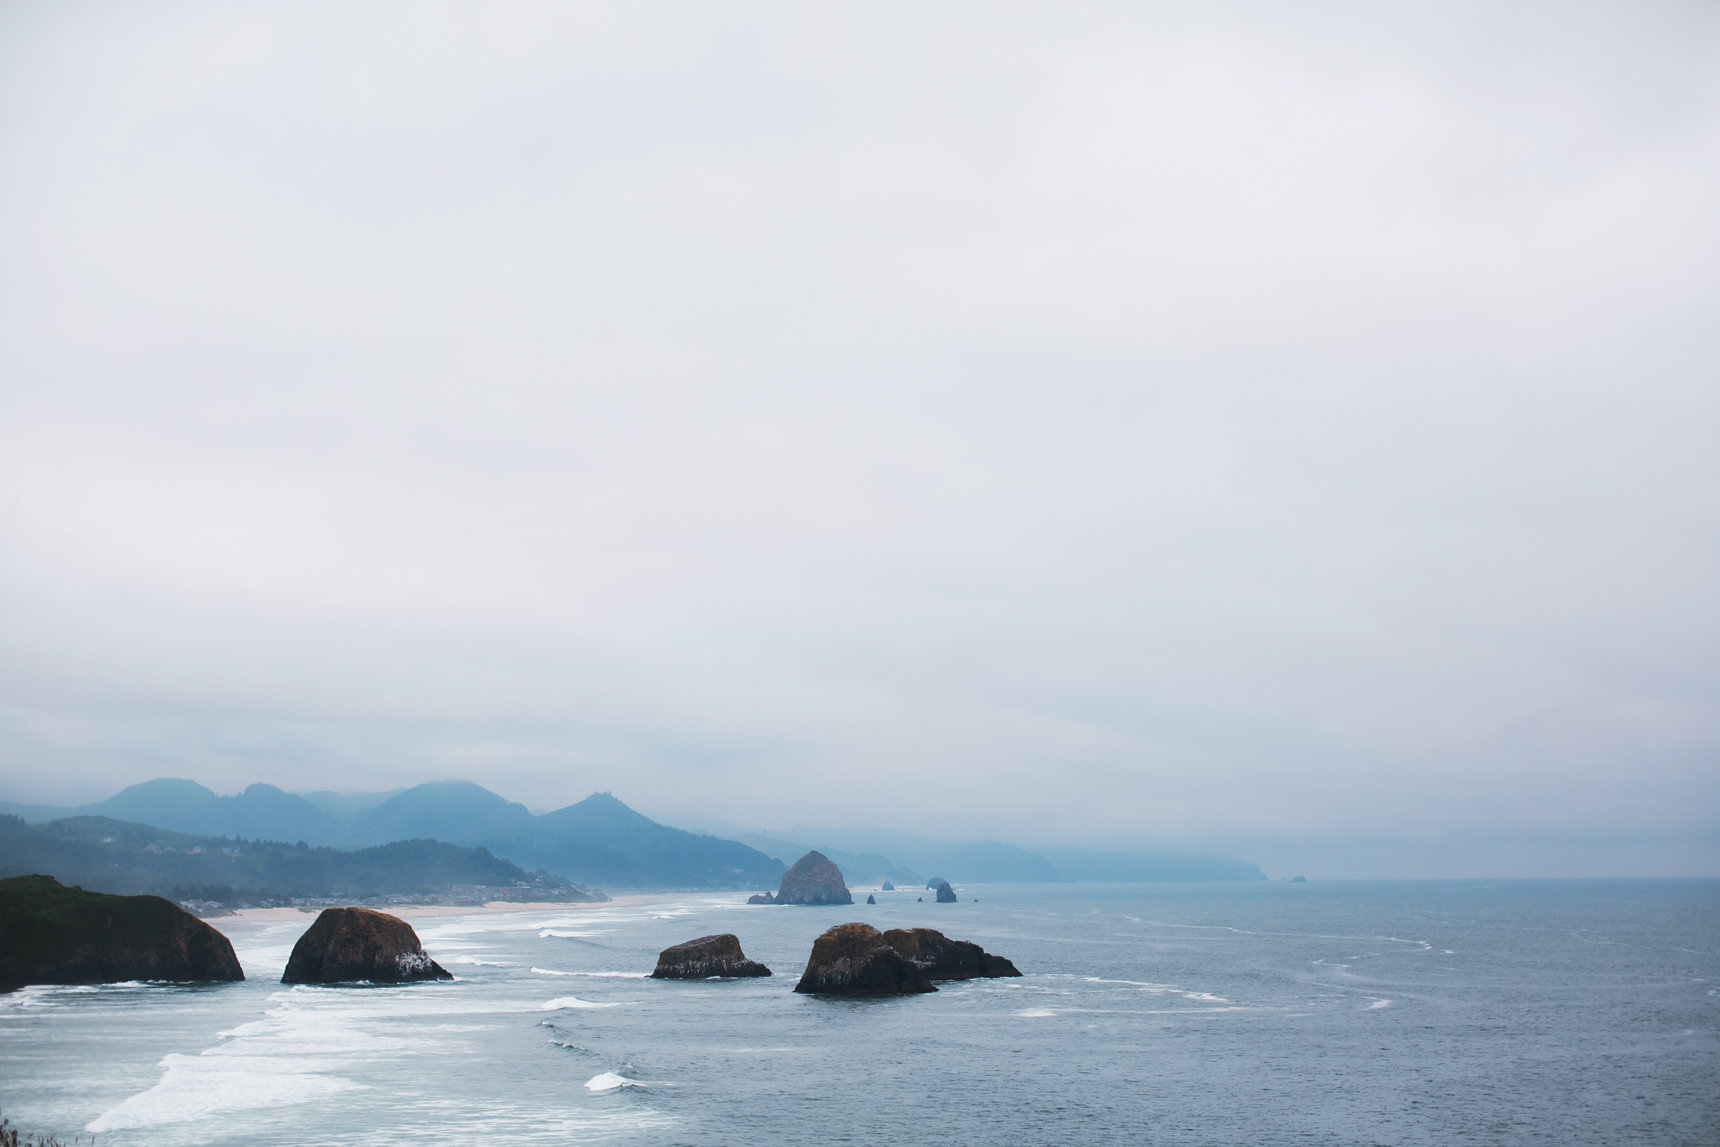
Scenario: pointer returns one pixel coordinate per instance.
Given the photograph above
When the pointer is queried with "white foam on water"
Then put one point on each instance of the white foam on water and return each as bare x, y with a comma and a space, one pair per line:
42, 995
480, 963
610, 1081
575, 1002
552, 933
199, 1086
1377, 1004
596, 975
1036, 1013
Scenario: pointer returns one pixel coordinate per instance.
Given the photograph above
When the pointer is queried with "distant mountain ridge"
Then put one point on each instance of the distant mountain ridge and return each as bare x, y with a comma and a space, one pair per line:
106, 855
598, 841
601, 841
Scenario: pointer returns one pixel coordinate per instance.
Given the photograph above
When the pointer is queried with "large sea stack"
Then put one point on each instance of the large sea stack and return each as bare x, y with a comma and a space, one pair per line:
51, 934
813, 880
854, 960
942, 958
349, 945
706, 957
946, 894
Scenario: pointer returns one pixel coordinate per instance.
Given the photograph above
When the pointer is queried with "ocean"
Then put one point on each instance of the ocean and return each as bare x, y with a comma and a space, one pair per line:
1464, 1012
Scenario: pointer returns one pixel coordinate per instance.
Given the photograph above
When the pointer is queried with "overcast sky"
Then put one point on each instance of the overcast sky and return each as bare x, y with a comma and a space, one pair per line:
1285, 430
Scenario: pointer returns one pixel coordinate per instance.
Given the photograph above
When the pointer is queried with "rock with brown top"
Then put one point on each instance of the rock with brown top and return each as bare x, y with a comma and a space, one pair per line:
942, 958
349, 945
814, 879
51, 934
854, 960
706, 957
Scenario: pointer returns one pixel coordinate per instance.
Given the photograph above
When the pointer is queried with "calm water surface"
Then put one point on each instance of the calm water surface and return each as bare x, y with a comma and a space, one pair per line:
1392, 1013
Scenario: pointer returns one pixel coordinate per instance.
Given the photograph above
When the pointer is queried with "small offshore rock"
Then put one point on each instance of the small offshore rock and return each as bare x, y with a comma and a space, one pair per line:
871, 900
814, 879
706, 957
946, 894
855, 960
762, 898
942, 958
52, 934
350, 945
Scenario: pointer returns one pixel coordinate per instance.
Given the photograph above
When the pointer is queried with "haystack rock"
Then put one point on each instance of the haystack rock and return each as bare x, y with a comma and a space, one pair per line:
946, 894
934, 882
706, 957
888, 887
813, 880
347, 945
854, 960
942, 958
51, 934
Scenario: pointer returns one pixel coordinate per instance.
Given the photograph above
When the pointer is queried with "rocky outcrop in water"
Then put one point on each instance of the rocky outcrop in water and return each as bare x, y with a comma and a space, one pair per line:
51, 934
706, 957
762, 898
946, 894
813, 880
871, 900
942, 958
854, 960
349, 945
888, 887
934, 882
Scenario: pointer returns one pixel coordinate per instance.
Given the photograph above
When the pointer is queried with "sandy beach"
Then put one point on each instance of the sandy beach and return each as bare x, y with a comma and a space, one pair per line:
428, 910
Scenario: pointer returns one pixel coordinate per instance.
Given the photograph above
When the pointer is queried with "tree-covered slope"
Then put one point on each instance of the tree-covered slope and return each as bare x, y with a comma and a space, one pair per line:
107, 855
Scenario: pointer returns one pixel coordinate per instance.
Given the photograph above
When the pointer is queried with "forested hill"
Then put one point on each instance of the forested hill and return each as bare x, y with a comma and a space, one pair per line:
598, 841
106, 855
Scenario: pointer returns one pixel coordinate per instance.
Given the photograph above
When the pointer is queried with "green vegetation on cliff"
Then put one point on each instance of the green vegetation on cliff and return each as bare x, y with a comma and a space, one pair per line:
115, 856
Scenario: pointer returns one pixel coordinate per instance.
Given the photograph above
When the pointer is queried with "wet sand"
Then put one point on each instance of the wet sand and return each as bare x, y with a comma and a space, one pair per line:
427, 910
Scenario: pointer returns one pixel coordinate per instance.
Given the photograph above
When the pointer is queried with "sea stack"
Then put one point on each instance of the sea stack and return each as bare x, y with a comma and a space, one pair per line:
942, 958
51, 934
946, 894
932, 884
813, 880
871, 899
854, 960
888, 887
350, 945
762, 898
706, 957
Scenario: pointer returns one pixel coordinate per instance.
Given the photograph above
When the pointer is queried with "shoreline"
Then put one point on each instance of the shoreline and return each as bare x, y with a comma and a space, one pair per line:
493, 908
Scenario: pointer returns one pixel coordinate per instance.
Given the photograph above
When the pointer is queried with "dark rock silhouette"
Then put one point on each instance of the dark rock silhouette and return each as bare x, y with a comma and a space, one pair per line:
888, 887
934, 882
706, 957
921, 900
762, 898
813, 880
942, 958
347, 945
946, 894
854, 960
871, 900
51, 934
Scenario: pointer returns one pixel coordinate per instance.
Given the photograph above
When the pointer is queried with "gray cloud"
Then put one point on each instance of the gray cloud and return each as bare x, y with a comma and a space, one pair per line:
1283, 432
